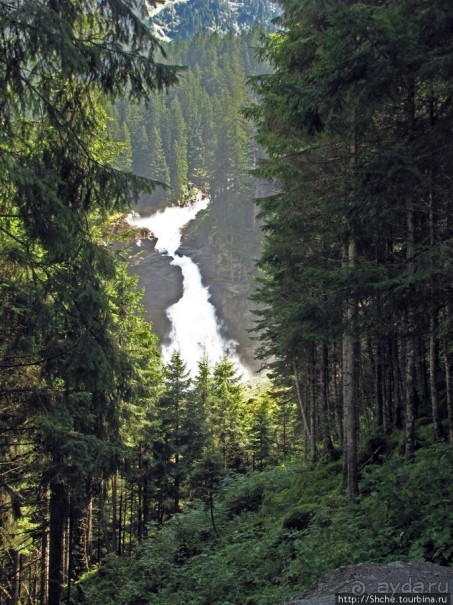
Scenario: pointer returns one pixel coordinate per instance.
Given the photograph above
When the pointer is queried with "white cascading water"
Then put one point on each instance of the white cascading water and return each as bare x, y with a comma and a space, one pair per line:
196, 330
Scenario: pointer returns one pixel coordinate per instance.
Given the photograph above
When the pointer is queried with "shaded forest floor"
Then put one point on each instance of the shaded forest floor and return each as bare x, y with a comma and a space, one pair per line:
281, 529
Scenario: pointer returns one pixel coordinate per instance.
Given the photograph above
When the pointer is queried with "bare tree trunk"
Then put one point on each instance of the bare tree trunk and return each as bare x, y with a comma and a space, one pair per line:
131, 520
145, 503
313, 406
116, 536
140, 495
378, 384
350, 403
338, 398
81, 530
300, 401
72, 521
410, 342
44, 550
448, 386
410, 395
89, 533
398, 410
434, 323
324, 387
120, 526
177, 481
433, 374
57, 510
14, 595
386, 388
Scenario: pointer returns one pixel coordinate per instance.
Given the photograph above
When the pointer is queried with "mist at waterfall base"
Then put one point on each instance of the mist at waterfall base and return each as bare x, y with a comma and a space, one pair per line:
196, 330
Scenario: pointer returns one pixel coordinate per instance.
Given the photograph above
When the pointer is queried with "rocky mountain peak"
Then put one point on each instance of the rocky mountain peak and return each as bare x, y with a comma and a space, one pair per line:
182, 19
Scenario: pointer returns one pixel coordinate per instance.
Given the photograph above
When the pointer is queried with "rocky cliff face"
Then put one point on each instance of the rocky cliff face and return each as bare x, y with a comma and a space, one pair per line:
160, 281
230, 282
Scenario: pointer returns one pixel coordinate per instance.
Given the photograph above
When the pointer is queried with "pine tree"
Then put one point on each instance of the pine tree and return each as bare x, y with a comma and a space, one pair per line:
224, 423
179, 168
173, 438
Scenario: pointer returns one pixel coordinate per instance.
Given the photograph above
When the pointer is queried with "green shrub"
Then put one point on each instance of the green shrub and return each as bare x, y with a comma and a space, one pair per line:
298, 518
246, 496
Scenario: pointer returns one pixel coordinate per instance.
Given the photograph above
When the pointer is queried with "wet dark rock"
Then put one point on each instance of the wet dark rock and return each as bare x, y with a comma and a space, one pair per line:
161, 282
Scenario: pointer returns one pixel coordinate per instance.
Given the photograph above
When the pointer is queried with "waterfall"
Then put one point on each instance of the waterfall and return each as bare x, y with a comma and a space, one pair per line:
195, 328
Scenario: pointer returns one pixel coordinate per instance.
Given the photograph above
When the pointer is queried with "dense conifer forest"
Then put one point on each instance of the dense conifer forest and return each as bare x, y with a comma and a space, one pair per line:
124, 479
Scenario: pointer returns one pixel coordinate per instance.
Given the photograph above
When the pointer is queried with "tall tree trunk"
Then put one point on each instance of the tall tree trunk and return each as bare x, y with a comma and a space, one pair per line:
338, 396
146, 518
131, 521
140, 485
57, 514
434, 323
313, 406
116, 537
410, 403
433, 376
448, 387
106, 537
410, 395
386, 388
120, 547
72, 522
81, 531
378, 387
324, 416
89, 534
14, 596
398, 384
301, 404
350, 403
177, 480
44, 572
